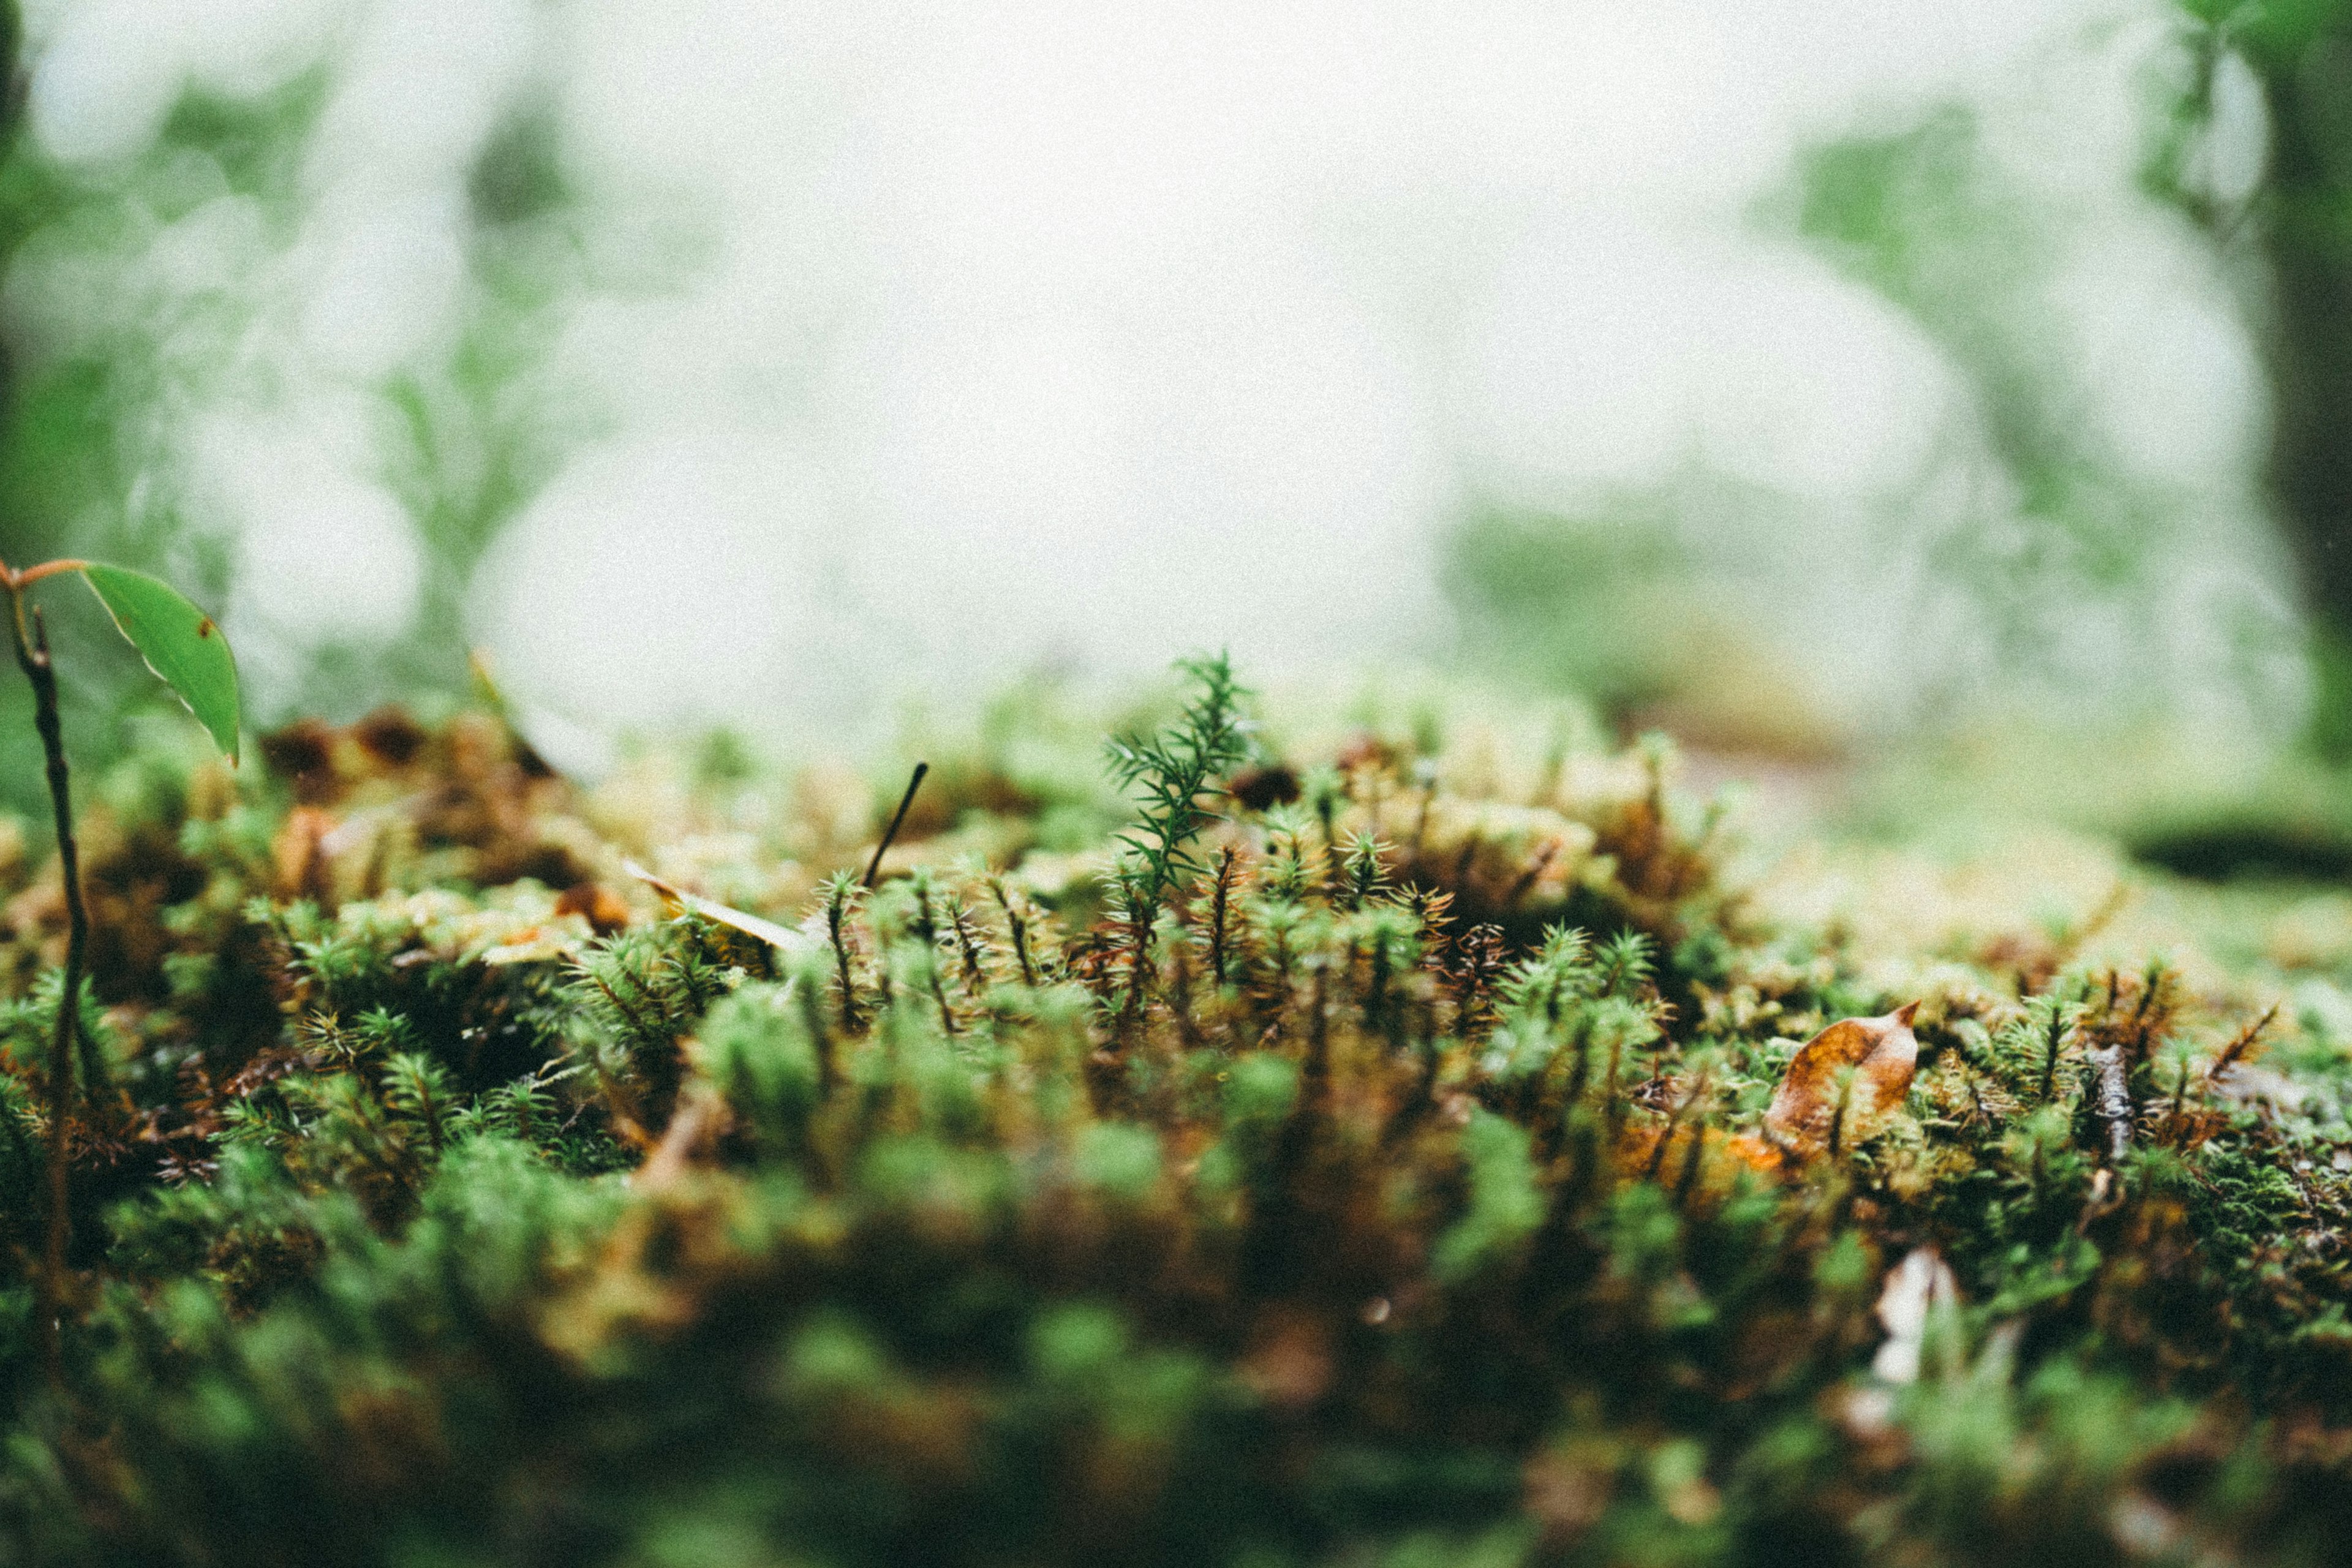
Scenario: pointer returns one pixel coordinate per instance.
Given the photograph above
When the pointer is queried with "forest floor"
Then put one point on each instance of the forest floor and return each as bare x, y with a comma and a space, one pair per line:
1375, 1141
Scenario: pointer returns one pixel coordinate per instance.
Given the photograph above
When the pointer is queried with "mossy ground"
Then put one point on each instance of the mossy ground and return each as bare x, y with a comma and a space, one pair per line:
445, 1195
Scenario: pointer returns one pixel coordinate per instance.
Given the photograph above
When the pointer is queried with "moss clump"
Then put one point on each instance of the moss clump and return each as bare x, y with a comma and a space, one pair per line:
1368, 1176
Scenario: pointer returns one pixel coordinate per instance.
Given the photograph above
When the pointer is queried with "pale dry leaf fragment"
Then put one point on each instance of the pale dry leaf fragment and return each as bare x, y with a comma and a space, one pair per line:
751, 925
1819, 1108
1915, 1289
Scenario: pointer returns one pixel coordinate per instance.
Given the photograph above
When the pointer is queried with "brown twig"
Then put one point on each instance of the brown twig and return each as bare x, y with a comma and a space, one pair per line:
1137, 919
873, 866
33, 658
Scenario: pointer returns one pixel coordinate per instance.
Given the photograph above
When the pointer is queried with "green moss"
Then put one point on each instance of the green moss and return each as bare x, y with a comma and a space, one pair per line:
1394, 1194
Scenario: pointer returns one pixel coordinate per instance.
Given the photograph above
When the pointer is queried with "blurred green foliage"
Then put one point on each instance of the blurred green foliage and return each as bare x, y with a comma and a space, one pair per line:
1643, 603
1579, 602
2291, 234
2066, 526
1925, 220
94, 394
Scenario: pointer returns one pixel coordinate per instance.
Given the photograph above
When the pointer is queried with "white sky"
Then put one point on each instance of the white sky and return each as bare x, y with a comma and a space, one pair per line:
1096, 332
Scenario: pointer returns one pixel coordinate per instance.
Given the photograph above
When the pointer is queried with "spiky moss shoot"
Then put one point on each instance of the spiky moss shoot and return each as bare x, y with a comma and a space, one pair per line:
1371, 1178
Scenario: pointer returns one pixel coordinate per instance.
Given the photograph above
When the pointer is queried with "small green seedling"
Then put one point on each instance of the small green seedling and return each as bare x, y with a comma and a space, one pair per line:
1172, 771
185, 647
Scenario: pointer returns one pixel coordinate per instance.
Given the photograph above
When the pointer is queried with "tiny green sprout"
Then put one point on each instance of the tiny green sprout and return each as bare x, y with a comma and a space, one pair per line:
1626, 963
840, 893
1361, 859
1172, 772
184, 646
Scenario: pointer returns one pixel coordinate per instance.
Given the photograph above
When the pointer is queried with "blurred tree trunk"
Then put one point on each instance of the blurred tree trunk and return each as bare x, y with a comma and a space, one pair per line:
2299, 222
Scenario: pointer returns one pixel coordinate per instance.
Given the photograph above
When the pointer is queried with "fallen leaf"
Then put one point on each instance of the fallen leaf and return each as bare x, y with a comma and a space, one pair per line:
1806, 1116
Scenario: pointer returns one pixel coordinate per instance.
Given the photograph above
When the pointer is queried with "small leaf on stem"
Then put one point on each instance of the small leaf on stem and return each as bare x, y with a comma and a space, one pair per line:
180, 643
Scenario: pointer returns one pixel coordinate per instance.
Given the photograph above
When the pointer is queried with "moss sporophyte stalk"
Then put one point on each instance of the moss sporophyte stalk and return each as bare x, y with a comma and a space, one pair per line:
1456, 1161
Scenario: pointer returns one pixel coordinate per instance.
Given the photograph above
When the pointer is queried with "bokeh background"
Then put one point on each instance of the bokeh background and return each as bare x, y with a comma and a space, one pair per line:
1896, 403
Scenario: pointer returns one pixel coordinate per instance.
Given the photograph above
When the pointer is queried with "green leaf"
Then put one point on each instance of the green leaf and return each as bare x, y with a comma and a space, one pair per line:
179, 642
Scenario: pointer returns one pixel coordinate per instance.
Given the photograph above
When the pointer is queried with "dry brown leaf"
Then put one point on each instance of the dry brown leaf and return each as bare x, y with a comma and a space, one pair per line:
1806, 1116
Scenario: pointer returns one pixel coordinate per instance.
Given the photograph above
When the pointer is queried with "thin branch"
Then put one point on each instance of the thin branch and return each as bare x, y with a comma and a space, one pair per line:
31, 574
873, 866
33, 658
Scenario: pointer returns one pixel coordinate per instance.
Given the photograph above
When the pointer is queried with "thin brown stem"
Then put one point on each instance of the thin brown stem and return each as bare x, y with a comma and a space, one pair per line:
835, 908
33, 658
1018, 929
31, 574
927, 933
1140, 916
1462, 862
873, 866
1221, 911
